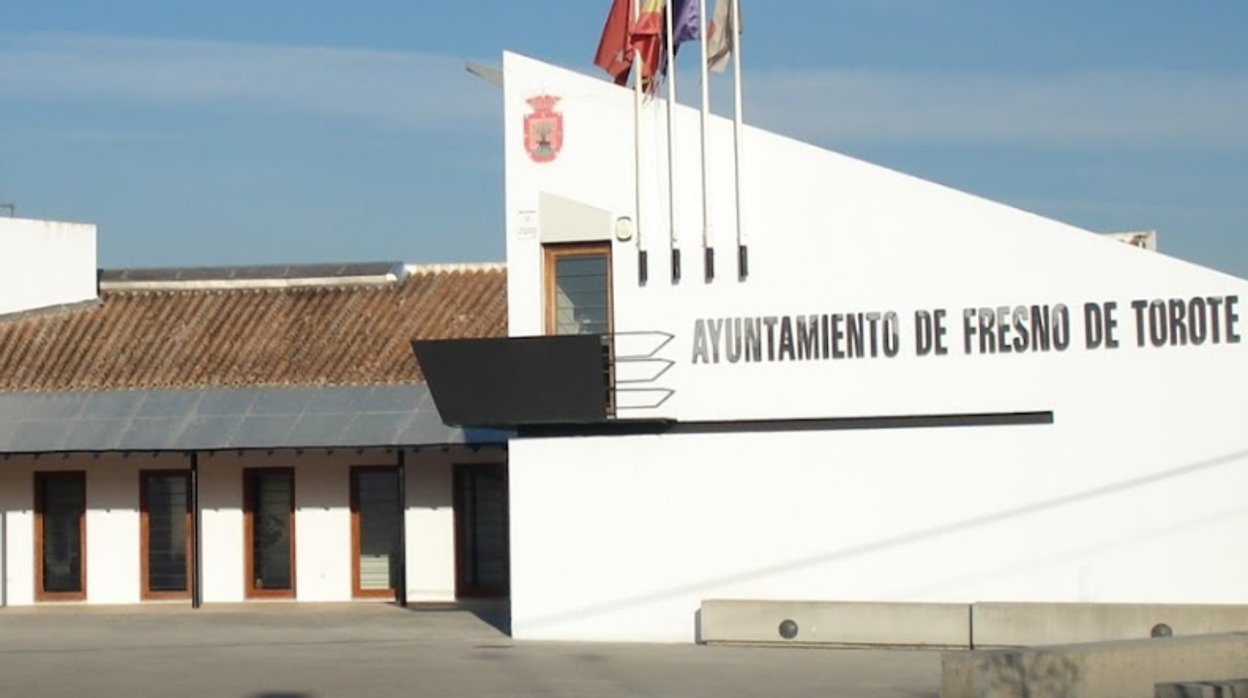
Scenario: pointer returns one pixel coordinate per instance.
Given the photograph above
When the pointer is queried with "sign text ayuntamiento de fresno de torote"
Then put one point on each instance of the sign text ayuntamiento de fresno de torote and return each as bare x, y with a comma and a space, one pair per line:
1003, 329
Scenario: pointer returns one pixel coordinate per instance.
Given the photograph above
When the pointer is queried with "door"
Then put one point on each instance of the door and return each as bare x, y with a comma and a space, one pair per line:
165, 509
269, 523
376, 517
60, 536
482, 545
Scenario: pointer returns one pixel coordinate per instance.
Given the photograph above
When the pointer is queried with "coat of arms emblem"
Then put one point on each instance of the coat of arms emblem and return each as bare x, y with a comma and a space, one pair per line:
543, 129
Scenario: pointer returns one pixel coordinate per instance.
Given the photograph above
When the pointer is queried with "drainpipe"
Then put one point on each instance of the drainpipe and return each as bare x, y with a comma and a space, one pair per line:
197, 538
400, 592
4, 569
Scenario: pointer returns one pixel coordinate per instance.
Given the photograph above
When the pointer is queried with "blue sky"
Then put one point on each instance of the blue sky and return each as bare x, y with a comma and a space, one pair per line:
265, 131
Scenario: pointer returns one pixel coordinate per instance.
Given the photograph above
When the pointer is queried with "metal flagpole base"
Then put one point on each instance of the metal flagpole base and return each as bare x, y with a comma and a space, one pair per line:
743, 262
675, 266
710, 264
643, 267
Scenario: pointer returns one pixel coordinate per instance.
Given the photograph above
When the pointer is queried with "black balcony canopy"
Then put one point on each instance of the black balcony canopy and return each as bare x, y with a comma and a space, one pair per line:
516, 381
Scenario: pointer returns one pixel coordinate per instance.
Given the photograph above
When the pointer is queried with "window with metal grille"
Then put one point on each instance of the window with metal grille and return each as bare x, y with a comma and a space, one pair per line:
60, 536
578, 297
165, 506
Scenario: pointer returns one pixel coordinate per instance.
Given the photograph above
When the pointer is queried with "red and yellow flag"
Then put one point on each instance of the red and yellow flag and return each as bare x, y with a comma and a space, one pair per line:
624, 38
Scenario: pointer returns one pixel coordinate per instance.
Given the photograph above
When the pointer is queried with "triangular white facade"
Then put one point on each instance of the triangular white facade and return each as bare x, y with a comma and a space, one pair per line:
1138, 357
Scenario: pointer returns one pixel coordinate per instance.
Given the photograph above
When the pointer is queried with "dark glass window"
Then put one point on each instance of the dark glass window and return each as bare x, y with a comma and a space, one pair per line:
167, 522
376, 506
270, 524
61, 509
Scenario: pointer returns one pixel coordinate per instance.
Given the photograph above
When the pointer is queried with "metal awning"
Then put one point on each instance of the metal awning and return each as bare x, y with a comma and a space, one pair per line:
227, 418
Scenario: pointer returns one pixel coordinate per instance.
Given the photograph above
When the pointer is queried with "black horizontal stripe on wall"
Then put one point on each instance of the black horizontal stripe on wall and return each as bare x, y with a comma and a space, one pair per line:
624, 427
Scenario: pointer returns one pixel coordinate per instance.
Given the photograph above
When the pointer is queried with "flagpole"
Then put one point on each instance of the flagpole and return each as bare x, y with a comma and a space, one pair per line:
642, 271
738, 119
708, 251
671, 161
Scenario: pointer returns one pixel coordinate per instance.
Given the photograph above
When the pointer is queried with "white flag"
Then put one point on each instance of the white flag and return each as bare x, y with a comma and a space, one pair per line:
719, 42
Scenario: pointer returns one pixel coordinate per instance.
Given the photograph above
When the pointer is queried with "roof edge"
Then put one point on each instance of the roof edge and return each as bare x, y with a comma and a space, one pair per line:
454, 267
252, 277
244, 284
47, 310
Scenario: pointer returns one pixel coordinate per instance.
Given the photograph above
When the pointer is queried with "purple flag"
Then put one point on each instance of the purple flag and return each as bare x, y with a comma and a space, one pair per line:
684, 27
684, 23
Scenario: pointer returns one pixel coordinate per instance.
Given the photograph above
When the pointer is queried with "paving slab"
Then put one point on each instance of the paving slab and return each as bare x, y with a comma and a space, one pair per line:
341, 650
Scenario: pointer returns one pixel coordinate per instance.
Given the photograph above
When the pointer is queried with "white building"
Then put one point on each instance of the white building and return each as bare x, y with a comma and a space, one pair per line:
221, 435
915, 396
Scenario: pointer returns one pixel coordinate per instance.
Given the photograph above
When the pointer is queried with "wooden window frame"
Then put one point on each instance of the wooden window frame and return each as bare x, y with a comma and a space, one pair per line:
249, 506
463, 587
146, 593
41, 478
551, 253
356, 589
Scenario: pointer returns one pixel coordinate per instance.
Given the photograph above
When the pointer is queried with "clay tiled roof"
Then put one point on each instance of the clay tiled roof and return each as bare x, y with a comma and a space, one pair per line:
320, 335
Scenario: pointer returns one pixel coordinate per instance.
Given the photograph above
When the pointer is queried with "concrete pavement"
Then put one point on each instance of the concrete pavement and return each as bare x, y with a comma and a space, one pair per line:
305, 651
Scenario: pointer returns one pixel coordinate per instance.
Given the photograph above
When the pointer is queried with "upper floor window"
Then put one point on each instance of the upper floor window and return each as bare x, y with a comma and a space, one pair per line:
578, 288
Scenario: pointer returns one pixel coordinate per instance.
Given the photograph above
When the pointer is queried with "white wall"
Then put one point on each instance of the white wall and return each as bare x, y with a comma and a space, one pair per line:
112, 524
323, 524
431, 568
430, 529
322, 521
621, 538
1130, 495
828, 234
45, 263
222, 537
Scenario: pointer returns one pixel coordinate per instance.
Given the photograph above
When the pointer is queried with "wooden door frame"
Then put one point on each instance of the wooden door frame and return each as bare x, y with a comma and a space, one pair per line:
249, 505
41, 478
145, 591
356, 590
462, 583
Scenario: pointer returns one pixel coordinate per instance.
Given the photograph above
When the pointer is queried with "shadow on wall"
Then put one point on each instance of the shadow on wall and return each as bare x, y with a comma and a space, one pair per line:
901, 540
1143, 535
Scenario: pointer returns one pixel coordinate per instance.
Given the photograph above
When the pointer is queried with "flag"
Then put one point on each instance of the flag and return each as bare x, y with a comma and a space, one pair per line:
684, 22
615, 51
624, 39
649, 18
684, 28
719, 41
648, 35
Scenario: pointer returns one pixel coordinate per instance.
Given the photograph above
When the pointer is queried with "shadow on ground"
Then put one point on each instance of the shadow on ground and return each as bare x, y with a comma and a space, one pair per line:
494, 613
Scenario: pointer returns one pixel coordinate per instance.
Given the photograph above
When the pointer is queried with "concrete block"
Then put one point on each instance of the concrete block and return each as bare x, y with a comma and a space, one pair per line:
1032, 624
1117, 669
836, 623
1237, 688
